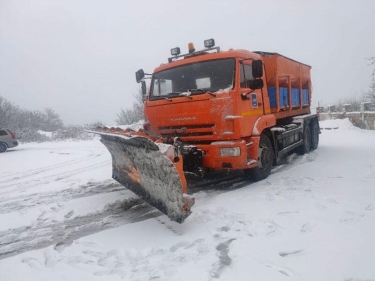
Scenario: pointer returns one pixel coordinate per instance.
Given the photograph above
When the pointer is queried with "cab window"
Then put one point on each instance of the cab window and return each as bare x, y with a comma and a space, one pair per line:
246, 74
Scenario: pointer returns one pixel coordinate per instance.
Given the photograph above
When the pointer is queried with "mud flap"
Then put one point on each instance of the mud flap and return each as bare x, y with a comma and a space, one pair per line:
140, 165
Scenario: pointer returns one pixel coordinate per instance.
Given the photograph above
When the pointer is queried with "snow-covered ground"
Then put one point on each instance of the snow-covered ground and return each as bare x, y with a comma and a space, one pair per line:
62, 217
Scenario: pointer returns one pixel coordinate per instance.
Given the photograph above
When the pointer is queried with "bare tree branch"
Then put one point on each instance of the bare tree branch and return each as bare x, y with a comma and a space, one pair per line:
135, 114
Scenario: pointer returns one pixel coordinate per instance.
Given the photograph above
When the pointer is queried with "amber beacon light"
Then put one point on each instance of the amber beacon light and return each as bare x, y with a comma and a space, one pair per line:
191, 48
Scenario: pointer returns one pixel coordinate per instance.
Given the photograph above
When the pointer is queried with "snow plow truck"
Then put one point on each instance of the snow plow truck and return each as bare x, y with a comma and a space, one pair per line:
212, 110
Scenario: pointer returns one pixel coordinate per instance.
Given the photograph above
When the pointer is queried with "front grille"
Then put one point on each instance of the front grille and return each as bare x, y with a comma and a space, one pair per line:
187, 131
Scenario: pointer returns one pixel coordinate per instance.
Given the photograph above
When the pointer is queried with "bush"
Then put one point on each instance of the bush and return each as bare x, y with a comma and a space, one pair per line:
26, 124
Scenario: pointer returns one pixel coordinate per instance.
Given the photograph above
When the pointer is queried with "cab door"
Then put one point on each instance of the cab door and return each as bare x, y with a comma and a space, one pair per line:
251, 100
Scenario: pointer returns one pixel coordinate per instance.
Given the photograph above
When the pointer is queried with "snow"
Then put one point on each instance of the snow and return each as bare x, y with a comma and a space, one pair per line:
278, 129
47, 134
220, 143
186, 94
338, 123
230, 117
255, 129
222, 91
62, 217
135, 126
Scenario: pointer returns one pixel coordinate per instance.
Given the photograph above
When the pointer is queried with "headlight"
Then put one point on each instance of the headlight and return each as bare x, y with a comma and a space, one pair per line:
230, 151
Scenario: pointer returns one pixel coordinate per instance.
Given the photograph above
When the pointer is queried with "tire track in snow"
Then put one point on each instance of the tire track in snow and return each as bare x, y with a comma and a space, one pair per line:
54, 177
45, 232
33, 172
22, 202
225, 181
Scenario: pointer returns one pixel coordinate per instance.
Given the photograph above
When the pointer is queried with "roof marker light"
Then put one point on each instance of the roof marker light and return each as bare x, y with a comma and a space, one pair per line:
209, 43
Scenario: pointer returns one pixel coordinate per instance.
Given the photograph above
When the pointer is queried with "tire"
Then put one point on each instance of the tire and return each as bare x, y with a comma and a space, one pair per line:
314, 127
3, 147
265, 160
306, 143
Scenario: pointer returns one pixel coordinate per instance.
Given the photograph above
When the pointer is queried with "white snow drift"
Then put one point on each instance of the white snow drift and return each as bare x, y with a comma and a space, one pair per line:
63, 218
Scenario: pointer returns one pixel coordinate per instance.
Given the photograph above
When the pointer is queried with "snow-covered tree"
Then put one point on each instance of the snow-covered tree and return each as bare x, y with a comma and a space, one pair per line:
371, 94
372, 62
52, 121
7, 109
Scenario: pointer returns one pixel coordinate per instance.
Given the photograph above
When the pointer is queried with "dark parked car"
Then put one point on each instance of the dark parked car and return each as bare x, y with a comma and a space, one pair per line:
7, 140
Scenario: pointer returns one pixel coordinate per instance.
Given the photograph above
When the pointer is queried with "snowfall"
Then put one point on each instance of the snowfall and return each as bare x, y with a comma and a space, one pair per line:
62, 217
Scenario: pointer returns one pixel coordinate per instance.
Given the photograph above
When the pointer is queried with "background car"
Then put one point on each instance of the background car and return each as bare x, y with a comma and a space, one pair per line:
7, 140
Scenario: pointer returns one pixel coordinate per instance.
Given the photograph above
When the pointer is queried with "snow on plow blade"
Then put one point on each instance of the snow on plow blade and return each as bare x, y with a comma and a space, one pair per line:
149, 170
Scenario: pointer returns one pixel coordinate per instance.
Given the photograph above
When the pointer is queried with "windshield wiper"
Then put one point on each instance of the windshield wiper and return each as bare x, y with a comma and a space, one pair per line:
173, 94
202, 91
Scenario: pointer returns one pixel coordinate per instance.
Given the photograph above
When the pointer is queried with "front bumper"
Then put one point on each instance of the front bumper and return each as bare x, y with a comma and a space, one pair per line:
213, 159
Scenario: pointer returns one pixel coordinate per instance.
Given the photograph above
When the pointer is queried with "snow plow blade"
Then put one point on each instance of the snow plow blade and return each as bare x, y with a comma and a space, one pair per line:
151, 170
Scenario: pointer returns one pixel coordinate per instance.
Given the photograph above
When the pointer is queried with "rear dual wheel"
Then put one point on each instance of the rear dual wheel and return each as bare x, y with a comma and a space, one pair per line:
306, 141
314, 127
310, 137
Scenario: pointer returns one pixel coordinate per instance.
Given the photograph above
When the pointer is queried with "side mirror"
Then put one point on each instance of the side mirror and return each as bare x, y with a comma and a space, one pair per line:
143, 88
139, 75
255, 84
257, 68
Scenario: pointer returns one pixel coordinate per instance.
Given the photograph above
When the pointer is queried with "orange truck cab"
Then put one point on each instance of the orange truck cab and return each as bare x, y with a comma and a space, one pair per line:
231, 109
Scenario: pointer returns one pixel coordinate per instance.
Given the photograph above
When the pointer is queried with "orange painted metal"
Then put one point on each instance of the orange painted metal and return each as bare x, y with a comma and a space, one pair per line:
231, 118
284, 72
202, 120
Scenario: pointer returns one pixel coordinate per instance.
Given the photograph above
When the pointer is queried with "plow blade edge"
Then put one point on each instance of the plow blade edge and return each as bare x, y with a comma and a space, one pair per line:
141, 166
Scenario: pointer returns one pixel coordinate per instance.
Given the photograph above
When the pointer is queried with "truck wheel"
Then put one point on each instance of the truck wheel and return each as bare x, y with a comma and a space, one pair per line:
3, 147
265, 160
306, 143
314, 134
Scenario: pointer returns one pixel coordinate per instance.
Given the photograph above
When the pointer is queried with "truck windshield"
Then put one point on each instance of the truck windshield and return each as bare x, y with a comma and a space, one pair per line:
196, 78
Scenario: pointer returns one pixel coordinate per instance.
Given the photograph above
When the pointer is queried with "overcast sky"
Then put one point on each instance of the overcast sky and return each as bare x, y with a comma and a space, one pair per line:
79, 56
